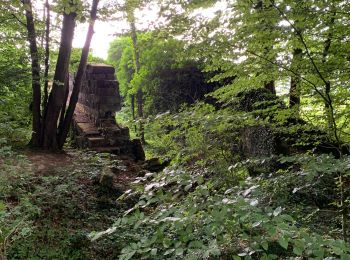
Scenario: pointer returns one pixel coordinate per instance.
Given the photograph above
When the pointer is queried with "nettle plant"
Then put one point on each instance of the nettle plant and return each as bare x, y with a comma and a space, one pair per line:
182, 215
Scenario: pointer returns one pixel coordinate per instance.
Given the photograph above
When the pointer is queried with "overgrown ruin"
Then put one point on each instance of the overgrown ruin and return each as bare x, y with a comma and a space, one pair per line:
94, 124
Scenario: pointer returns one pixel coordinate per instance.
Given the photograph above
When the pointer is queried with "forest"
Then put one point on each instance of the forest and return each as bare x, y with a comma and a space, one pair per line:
217, 130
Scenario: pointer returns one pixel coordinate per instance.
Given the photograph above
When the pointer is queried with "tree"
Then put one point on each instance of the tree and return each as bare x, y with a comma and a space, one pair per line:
130, 7
120, 54
305, 45
15, 70
34, 54
47, 53
275, 42
168, 81
46, 133
56, 97
64, 127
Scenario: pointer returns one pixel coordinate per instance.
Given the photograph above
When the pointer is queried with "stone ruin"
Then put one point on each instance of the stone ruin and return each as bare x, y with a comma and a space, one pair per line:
94, 124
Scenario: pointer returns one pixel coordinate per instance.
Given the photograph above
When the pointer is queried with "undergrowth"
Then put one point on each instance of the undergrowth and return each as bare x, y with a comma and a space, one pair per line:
48, 214
216, 203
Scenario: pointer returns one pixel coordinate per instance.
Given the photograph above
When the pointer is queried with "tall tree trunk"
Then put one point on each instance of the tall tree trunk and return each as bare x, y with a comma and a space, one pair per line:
65, 99
56, 97
35, 67
139, 97
64, 127
43, 33
294, 91
47, 54
139, 93
260, 6
133, 109
270, 86
327, 45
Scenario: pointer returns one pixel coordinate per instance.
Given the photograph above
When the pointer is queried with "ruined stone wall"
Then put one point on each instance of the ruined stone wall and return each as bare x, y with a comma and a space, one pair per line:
99, 96
94, 124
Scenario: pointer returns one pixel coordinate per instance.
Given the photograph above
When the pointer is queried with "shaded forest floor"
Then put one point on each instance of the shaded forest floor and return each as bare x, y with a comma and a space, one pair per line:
64, 199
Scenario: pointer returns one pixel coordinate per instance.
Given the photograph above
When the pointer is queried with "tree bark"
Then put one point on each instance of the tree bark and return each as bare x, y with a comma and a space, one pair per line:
139, 93
65, 99
269, 85
139, 97
35, 67
133, 109
56, 98
294, 91
47, 54
327, 45
64, 127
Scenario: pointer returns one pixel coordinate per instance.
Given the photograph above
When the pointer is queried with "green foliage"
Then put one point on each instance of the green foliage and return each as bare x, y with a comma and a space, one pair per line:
209, 205
198, 134
249, 43
216, 200
75, 59
14, 117
166, 80
48, 213
15, 207
186, 215
14, 79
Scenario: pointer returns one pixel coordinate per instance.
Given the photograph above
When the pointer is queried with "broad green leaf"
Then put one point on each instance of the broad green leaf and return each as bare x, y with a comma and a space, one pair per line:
265, 245
283, 242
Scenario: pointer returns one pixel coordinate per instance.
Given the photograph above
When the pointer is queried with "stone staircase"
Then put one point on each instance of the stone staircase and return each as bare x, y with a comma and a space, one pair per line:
94, 124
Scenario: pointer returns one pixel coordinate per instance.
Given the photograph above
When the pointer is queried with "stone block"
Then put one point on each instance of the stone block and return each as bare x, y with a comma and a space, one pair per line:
96, 142
98, 76
107, 100
99, 69
107, 84
107, 92
110, 77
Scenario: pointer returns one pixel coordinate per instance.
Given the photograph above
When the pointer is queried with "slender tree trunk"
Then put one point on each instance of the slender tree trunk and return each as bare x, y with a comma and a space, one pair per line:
139, 97
294, 91
56, 97
327, 45
270, 86
332, 126
139, 94
44, 19
64, 127
35, 66
136, 52
133, 109
260, 6
47, 55
65, 99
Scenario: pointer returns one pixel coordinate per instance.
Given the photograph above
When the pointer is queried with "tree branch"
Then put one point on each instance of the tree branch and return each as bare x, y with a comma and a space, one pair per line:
299, 34
289, 70
19, 20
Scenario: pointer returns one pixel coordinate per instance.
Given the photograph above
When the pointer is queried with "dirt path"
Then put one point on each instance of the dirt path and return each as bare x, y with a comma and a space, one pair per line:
45, 162
68, 202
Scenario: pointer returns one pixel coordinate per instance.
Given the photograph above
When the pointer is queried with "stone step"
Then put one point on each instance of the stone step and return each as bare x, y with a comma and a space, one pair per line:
96, 142
88, 129
111, 149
